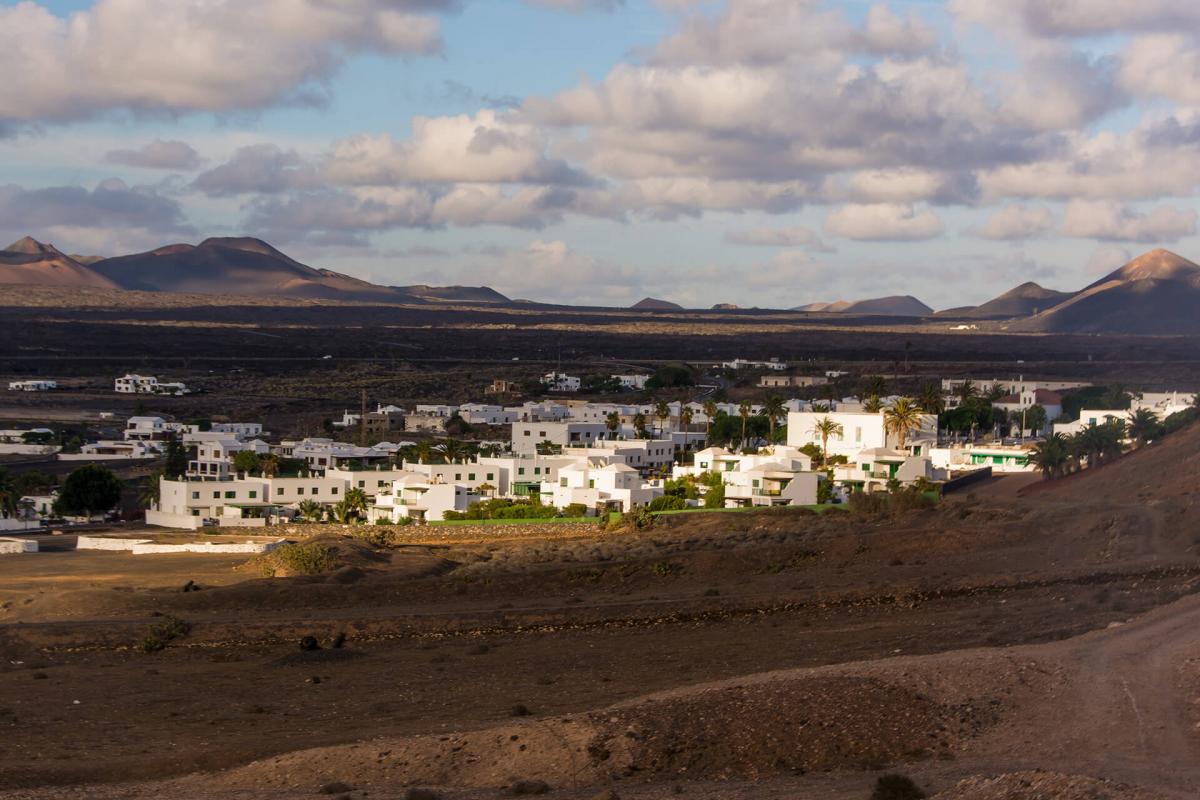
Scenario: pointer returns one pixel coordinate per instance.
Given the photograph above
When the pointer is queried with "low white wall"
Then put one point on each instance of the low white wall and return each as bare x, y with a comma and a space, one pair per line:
142, 547
238, 522
107, 543
10, 524
13, 449
9, 547
101, 457
184, 521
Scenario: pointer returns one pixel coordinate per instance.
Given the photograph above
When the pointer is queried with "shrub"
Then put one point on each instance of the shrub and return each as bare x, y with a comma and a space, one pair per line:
305, 558
667, 503
575, 510
638, 519
374, 536
896, 787
170, 629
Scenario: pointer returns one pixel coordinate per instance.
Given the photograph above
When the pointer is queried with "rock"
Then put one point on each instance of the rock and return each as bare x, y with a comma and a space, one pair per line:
417, 793
519, 710
338, 641
309, 643
337, 787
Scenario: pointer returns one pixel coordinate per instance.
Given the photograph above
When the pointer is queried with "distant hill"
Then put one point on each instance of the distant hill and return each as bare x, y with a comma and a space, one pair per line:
1156, 293
30, 262
457, 294
653, 304
837, 305
725, 307
897, 306
1023, 301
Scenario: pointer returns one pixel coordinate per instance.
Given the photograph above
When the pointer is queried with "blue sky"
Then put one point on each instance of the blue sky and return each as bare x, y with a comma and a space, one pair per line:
761, 152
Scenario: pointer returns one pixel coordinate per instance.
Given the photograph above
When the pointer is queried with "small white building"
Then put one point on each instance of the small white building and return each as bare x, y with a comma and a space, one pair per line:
414, 496
32, 386
133, 383
611, 486
1089, 417
740, 363
480, 414
861, 430
561, 382
778, 475
526, 436
634, 382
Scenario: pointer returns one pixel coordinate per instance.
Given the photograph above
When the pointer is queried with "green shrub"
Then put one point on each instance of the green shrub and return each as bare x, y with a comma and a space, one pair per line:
575, 510
170, 629
303, 558
896, 787
668, 503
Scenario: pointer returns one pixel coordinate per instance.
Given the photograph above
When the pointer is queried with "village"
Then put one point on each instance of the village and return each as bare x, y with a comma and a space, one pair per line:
563, 457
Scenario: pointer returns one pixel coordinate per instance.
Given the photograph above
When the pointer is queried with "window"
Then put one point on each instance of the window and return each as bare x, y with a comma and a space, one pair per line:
537, 470
562, 482
520, 470
470, 476
331, 491
754, 483
866, 467
490, 476
526, 433
195, 495
279, 491
299, 490
361, 484
253, 494
230, 495
591, 484
216, 495
458, 476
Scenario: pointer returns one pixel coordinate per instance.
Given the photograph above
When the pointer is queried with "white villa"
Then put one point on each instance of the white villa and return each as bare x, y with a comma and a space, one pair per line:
147, 384
778, 475
560, 382
611, 486
32, 386
861, 430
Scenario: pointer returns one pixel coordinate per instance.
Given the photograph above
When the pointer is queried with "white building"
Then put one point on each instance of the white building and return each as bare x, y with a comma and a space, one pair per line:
1017, 404
740, 363
321, 453
110, 450
242, 502
1164, 404
1089, 417
635, 382
1001, 458
155, 429
778, 475
790, 381
414, 496
33, 441
526, 436
215, 451
861, 430
611, 486
32, 386
480, 414
147, 384
560, 382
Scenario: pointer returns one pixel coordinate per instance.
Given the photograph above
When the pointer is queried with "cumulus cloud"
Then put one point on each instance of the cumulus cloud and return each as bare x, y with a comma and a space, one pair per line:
1111, 221
257, 169
1081, 17
144, 56
883, 222
158, 154
1017, 221
112, 203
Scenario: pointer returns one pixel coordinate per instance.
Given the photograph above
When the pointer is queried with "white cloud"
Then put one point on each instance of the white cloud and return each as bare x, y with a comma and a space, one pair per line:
1111, 221
1017, 221
1164, 65
158, 154
883, 222
146, 56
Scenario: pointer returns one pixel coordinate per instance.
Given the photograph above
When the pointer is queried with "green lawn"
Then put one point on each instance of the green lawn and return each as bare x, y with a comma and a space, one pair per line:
543, 521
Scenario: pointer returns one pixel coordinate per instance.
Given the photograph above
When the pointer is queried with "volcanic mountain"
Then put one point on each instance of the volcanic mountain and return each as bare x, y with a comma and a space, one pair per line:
654, 304
453, 294
1156, 293
896, 306
837, 305
31, 262
1023, 301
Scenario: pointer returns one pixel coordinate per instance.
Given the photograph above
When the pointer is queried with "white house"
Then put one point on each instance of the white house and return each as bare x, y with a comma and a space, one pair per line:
740, 363
614, 486
109, 450
643, 455
526, 436
635, 382
480, 414
34, 441
1021, 402
154, 429
147, 384
560, 382
1001, 458
861, 430
1089, 417
32, 386
215, 451
414, 496
778, 475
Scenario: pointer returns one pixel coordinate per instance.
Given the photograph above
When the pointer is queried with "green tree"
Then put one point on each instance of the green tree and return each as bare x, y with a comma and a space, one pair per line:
873, 405
613, 423
662, 412
89, 490
1034, 419
356, 501
247, 461
151, 490
453, 450
175, 465
875, 386
827, 428
930, 398
774, 408
1052, 456
639, 425
269, 465
8, 494
685, 422
710, 414
310, 510
966, 392
33, 482
744, 410
1143, 425
902, 420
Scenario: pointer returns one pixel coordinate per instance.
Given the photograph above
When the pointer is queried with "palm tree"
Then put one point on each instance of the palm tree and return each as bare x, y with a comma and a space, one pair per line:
340, 513
744, 409
1052, 456
902, 419
8, 494
269, 464
453, 450
1143, 425
310, 510
355, 500
827, 428
873, 405
774, 408
150, 491
874, 385
662, 411
710, 413
966, 392
931, 399
685, 422
639, 424
613, 423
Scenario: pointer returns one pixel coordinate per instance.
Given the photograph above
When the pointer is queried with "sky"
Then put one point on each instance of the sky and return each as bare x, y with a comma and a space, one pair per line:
766, 153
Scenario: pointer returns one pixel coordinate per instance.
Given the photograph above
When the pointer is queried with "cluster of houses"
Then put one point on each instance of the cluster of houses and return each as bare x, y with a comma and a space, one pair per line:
148, 384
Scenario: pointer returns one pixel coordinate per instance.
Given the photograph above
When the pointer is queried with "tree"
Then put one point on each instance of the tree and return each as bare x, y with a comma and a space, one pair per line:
902, 420
310, 510
340, 512
662, 412
176, 462
874, 386
1034, 419
930, 398
246, 461
151, 489
33, 482
453, 450
966, 392
613, 423
8, 494
685, 422
356, 501
1143, 424
639, 425
710, 414
89, 490
827, 428
873, 405
773, 409
487, 490
1052, 456
671, 377
744, 409
269, 464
